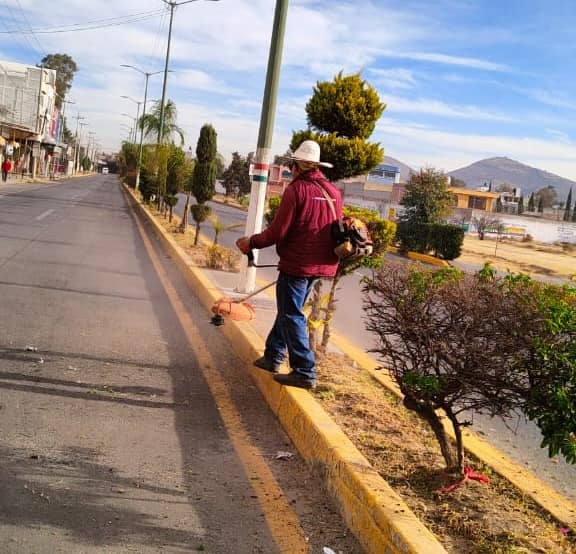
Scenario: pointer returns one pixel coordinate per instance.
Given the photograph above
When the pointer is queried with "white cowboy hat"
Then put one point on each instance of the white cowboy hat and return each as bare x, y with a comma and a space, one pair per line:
309, 151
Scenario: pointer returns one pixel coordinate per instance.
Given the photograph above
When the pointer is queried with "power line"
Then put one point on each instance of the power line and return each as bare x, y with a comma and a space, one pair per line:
89, 25
20, 35
159, 33
42, 51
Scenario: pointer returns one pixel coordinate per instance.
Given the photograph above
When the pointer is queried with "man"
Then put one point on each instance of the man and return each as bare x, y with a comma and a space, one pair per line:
302, 235
6, 168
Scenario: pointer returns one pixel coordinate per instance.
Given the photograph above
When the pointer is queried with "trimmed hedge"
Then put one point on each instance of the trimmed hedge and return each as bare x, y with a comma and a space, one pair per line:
445, 241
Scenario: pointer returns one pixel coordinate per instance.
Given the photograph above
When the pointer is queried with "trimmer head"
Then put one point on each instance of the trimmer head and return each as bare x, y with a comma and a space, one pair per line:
232, 309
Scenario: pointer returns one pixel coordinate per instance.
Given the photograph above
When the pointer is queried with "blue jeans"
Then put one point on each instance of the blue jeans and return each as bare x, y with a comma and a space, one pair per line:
290, 332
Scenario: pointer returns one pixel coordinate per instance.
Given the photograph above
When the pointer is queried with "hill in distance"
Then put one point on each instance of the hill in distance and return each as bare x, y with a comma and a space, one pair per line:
504, 170
404, 169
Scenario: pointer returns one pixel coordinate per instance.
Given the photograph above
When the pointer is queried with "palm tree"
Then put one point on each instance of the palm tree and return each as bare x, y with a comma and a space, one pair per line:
219, 227
150, 124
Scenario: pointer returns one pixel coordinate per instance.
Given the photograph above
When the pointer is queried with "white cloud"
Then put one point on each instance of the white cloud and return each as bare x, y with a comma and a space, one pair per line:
473, 63
438, 108
393, 78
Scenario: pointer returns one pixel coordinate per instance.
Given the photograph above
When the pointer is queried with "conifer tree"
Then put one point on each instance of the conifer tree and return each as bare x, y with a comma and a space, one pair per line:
520, 205
540, 205
342, 114
204, 174
568, 207
531, 203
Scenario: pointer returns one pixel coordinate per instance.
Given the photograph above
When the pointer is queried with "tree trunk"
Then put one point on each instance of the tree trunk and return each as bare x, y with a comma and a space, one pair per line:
329, 313
428, 413
458, 434
314, 317
184, 222
197, 233
170, 215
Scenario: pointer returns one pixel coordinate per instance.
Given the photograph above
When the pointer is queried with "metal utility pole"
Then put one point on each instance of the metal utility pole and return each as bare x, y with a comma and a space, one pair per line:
90, 140
80, 144
172, 5
260, 167
137, 111
133, 128
146, 75
77, 118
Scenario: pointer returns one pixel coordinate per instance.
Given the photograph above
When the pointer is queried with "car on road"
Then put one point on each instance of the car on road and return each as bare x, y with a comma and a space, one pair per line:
105, 170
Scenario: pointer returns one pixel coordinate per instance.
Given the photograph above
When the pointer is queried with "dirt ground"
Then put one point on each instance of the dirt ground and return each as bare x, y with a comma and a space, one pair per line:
493, 518
536, 259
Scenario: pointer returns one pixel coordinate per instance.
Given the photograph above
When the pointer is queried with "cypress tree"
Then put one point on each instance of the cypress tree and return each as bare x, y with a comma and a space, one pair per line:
341, 115
204, 175
520, 205
531, 204
568, 207
540, 205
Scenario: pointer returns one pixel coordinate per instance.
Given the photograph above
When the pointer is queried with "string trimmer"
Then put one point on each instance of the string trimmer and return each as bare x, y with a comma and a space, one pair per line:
238, 310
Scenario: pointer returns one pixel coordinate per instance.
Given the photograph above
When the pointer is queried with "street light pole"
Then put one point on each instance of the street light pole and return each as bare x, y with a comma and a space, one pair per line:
147, 76
172, 5
80, 144
78, 118
261, 159
137, 111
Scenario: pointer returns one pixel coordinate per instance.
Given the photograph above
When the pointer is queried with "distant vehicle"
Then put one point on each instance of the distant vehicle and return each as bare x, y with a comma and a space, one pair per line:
105, 170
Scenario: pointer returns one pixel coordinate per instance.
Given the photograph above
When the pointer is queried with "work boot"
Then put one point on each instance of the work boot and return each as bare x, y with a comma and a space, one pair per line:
294, 379
266, 364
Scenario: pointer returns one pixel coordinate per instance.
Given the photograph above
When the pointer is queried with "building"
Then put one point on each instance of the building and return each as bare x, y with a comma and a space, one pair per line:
468, 199
384, 174
30, 124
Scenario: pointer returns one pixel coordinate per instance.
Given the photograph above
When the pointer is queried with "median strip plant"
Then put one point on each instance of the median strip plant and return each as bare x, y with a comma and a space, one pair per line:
459, 343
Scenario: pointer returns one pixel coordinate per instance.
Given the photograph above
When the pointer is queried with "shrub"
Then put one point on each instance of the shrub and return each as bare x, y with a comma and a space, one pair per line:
413, 237
273, 205
218, 257
457, 343
445, 240
215, 257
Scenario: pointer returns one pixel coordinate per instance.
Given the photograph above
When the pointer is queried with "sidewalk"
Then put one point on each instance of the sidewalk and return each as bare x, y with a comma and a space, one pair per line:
373, 511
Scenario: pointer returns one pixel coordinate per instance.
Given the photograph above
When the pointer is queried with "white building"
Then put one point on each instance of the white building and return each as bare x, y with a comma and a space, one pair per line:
30, 123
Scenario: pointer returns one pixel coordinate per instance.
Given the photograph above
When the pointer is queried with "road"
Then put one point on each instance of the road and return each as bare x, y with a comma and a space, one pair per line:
127, 424
518, 438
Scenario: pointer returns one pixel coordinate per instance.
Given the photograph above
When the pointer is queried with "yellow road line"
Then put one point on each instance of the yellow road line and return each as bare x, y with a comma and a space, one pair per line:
282, 521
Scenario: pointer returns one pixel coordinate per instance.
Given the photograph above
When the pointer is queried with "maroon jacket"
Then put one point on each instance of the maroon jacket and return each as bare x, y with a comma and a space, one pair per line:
301, 228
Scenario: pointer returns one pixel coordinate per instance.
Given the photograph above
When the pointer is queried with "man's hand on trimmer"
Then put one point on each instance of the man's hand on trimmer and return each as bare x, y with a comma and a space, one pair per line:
243, 244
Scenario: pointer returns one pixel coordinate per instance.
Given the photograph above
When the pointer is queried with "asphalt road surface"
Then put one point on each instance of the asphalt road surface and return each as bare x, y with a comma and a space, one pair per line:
518, 438
127, 424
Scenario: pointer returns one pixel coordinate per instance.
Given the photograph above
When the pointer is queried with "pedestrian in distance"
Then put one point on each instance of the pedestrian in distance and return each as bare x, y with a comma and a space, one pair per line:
6, 169
301, 232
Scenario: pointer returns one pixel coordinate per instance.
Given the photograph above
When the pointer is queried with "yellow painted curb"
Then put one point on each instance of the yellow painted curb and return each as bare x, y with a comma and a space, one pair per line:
424, 258
378, 517
417, 257
554, 503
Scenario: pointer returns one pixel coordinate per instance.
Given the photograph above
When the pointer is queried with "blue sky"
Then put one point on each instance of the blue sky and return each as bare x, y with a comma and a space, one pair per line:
463, 79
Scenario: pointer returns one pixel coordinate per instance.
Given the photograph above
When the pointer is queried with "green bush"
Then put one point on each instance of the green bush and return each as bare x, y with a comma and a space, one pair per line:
148, 184
273, 205
413, 237
445, 240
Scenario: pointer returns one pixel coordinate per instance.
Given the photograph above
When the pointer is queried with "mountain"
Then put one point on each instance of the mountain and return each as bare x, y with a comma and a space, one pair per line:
504, 170
404, 169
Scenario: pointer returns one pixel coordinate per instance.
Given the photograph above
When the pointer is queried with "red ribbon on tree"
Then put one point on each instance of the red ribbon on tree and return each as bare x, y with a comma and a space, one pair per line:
469, 474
